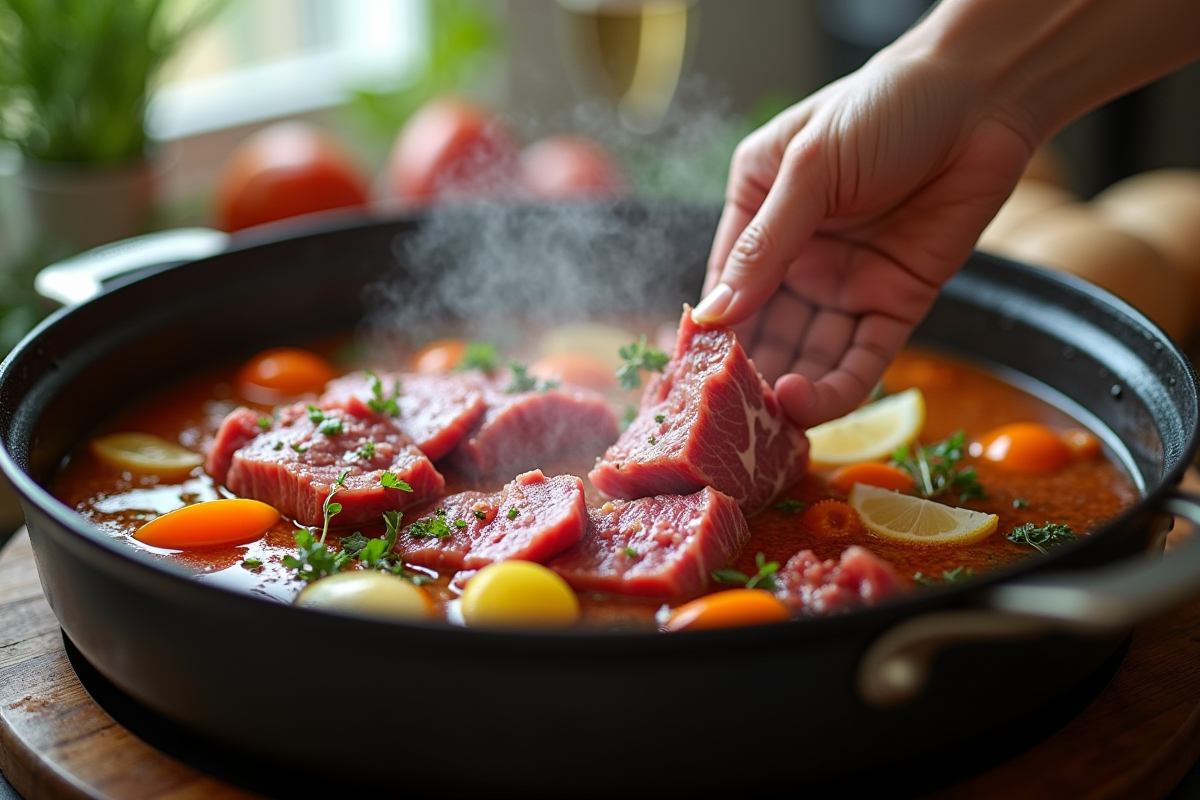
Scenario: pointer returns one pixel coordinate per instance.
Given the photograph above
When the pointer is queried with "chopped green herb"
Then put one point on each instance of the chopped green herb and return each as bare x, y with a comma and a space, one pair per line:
479, 356
330, 426
389, 480
434, 527
639, 356
366, 452
480, 515
353, 544
299, 448
460, 523
630, 552
1020, 502
660, 418
315, 415
314, 559
251, 564
521, 381
512, 513
264, 422
956, 575
933, 468
1051, 534
279, 446
380, 404
763, 579
652, 440
789, 506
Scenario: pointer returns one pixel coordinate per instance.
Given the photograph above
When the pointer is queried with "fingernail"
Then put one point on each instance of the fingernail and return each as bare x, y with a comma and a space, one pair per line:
714, 304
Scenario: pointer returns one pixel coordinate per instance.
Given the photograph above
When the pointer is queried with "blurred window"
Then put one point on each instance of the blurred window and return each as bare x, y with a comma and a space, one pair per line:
262, 59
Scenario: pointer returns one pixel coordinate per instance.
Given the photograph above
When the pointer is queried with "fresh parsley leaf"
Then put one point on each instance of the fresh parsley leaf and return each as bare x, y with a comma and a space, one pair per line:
315, 415
330, 426
1020, 502
314, 559
660, 418
332, 509
631, 553
480, 515
513, 512
377, 402
522, 381
933, 468
300, 448
366, 452
353, 544
1050, 534
264, 422
434, 527
388, 480
460, 523
763, 579
478, 356
789, 506
639, 356
279, 446
651, 439
252, 564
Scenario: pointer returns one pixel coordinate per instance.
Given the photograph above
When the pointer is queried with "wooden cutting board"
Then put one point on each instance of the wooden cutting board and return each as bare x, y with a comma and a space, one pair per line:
1134, 742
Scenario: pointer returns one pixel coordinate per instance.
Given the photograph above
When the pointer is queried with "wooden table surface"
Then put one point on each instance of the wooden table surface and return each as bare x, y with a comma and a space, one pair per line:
1135, 741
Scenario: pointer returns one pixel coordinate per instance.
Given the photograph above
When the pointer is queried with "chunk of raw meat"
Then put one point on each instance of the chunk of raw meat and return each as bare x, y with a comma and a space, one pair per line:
435, 410
293, 464
819, 588
662, 546
238, 428
521, 430
533, 518
708, 420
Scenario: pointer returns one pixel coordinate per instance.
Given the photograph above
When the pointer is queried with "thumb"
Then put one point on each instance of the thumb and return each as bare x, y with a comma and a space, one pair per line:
769, 243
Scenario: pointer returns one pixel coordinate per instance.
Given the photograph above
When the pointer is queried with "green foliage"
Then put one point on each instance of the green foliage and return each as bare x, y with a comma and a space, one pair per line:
20, 306
934, 468
763, 579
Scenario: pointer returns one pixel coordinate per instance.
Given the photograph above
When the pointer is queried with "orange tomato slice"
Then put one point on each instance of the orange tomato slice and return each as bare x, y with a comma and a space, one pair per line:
1025, 447
217, 523
884, 476
282, 374
728, 609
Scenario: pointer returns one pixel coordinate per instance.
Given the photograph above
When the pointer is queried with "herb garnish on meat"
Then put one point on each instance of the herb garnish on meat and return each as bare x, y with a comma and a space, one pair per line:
479, 356
1052, 534
314, 559
434, 527
388, 480
377, 402
639, 356
522, 381
763, 579
933, 469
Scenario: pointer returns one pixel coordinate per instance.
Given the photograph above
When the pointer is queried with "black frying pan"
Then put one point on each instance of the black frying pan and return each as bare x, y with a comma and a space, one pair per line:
432, 706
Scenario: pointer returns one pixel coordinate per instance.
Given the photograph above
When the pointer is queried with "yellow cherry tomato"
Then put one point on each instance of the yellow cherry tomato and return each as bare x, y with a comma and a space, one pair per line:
368, 593
442, 355
728, 609
216, 523
575, 369
146, 454
518, 594
1084, 445
1026, 447
285, 373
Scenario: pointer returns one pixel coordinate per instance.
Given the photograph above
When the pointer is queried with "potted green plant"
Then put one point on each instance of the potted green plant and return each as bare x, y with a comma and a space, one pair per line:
74, 78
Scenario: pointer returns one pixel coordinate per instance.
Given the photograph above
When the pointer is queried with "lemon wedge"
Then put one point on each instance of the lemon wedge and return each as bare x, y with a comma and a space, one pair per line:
911, 520
868, 433
146, 454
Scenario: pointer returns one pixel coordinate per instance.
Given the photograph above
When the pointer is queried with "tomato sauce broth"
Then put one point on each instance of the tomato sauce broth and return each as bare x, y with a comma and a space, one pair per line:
958, 397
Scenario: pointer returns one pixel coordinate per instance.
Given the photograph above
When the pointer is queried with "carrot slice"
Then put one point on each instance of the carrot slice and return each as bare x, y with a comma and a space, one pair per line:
832, 518
884, 476
728, 609
217, 523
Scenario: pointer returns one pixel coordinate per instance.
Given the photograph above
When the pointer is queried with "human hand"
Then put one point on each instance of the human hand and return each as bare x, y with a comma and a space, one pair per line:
846, 214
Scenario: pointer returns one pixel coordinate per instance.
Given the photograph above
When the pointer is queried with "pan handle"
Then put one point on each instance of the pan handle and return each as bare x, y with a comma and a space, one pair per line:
1098, 602
82, 277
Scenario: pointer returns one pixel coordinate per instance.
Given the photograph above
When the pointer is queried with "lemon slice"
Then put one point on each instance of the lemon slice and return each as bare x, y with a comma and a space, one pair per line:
868, 433
146, 454
912, 520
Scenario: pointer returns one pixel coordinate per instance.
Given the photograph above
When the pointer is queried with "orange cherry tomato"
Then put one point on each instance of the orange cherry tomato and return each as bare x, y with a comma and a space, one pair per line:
885, 476
284, 373
442, 355
570, 166
832, 519
1084, 445
282, 171
452, 148
574, 369
217, 523
728, 609
1025, 447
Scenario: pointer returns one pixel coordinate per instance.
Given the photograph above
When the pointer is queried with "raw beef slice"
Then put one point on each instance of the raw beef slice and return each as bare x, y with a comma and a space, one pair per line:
293, 463
708, 420
662, 546
435, 410
819, 588
533, 518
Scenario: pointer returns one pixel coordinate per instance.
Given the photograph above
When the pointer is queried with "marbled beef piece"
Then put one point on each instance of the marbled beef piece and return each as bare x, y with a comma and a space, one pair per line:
435, 410
533, 518
662, 546
708, 420
292, 464
522, 430
238, 428
818, 588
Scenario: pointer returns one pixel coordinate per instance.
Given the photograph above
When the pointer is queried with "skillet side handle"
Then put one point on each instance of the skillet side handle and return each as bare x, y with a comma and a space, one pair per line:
1098, 602
80, 278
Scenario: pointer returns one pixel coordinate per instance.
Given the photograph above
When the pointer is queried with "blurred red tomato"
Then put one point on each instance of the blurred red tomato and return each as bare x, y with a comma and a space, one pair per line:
283, 170
569, 166
452, 148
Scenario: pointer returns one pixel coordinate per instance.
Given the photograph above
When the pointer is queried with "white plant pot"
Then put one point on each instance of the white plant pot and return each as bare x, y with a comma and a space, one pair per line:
73, 207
